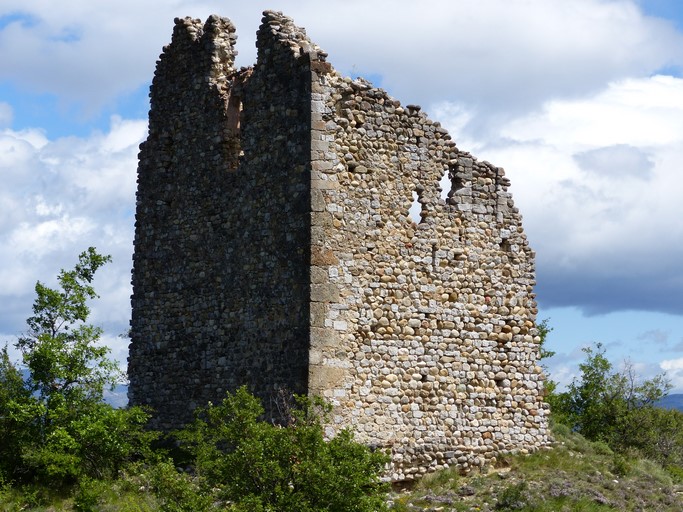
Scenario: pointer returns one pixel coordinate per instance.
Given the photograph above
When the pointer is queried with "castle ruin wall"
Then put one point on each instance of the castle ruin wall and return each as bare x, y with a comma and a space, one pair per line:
221, 266
275, 248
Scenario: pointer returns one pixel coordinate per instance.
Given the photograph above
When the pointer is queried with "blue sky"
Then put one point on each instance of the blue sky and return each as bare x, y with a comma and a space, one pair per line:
581, 102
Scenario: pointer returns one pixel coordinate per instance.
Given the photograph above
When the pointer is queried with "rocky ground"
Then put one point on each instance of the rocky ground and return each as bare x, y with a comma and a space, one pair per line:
574, 475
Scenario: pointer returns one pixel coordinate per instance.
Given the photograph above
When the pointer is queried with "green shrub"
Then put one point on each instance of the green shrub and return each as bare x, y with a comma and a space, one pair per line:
621, 466
602, 448
676, 473
255, 465
54, 425
513, 497
88, 495
177, 491
619, 409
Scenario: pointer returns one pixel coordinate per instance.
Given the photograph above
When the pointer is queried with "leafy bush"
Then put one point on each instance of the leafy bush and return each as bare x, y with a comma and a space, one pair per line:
17, 409
54, 424
255, 465
175, 490
618, 409
88, 495
657, 433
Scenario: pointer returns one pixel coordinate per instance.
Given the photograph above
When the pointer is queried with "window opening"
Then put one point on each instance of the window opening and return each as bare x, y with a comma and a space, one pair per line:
233, 143
446, 185
415, 212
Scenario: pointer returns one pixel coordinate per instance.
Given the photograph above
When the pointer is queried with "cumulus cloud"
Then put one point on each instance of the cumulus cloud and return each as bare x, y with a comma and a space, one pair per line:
61, 197
674, 371
501, 55
618, 161
597, 180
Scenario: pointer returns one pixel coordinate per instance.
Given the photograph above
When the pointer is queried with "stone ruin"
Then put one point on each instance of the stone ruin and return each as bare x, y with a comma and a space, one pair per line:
274, 247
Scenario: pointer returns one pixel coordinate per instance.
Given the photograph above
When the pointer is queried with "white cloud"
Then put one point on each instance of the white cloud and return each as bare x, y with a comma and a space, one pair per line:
634, 111
64, 196
674, 371
502, 55
598, 182
672, 364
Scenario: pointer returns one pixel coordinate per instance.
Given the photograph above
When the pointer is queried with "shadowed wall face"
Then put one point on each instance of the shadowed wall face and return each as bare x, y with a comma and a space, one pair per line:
220, 279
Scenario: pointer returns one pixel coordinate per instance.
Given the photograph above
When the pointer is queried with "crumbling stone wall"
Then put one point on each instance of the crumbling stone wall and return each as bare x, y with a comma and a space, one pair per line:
274, 248
221, 263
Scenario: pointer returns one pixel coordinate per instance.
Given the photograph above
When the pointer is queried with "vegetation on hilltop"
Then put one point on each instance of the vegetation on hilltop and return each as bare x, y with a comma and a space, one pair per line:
63, 448
56, 428
575, 475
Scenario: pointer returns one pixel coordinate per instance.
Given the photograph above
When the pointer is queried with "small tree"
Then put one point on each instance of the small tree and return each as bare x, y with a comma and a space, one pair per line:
56, 422
60, 350
605, 405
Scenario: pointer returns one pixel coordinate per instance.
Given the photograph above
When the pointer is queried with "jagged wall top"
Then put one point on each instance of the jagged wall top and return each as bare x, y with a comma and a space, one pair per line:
278, 30
217, 38
274, 247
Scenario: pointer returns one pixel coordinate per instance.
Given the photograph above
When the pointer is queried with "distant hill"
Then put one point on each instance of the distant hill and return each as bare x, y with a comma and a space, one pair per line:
118, 397
674, 401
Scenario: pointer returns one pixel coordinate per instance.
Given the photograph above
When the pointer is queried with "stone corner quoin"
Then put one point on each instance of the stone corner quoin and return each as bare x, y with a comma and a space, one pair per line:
274, 247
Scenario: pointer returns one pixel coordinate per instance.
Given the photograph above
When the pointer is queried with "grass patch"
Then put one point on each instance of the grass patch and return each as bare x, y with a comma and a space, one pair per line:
575, 475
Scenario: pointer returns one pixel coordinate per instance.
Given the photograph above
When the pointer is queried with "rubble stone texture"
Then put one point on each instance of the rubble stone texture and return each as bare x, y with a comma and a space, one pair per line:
275, 248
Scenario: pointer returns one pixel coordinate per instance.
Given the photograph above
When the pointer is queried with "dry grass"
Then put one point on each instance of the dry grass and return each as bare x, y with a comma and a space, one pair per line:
576, 475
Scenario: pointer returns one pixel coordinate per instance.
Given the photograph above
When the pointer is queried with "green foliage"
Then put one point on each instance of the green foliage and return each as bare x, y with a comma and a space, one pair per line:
255, 465
657, 433
175, 491
621, 466
16, 410
544, 329
56, 426
513, 497
60, 350
88, 495
617, 408
675, 472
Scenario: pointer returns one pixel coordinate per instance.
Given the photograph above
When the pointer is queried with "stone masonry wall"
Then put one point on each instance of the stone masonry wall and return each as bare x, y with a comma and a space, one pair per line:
431, 336
221, 265
274, 248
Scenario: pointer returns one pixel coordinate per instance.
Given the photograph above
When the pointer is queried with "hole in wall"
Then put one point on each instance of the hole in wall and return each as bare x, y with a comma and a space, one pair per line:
233, 142
458, 183
415, 212
234, 112
451, 182
445, 185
